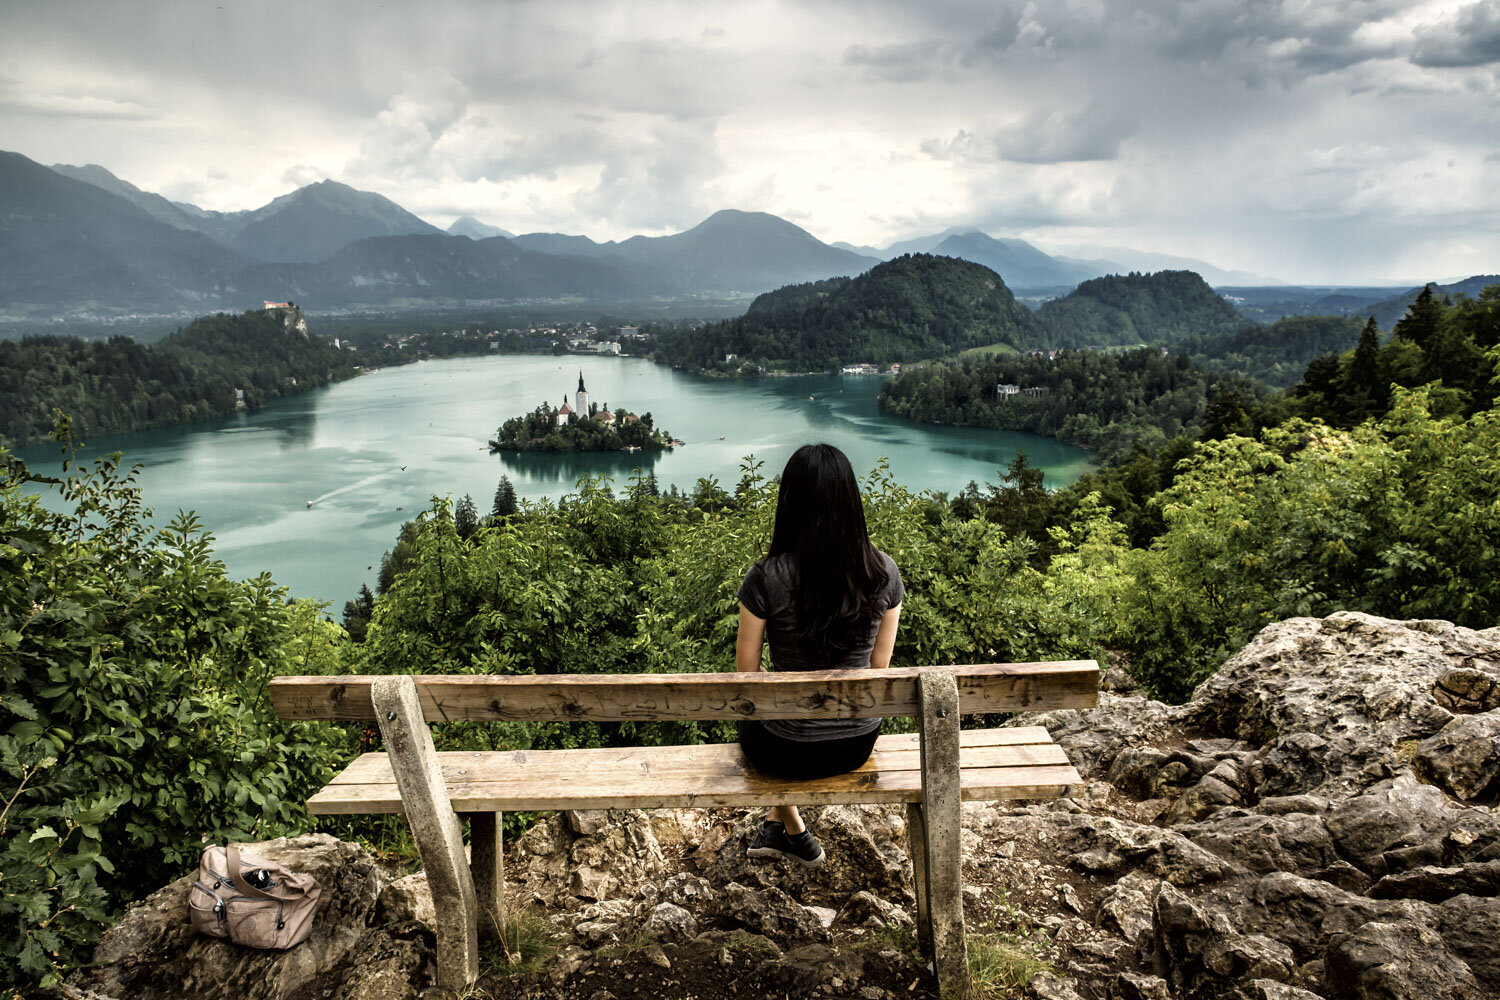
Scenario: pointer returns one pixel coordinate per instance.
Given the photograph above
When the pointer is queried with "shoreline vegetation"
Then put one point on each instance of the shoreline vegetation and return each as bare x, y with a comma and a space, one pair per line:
210, 368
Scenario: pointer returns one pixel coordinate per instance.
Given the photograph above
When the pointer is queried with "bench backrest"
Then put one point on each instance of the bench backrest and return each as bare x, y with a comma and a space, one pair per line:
809, 694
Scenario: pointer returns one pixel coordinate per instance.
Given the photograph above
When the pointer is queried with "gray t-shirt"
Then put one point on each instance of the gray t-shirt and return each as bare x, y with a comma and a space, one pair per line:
769, 592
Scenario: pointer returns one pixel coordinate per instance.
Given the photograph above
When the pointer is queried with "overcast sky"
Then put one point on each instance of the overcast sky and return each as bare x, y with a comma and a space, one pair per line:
1312, 140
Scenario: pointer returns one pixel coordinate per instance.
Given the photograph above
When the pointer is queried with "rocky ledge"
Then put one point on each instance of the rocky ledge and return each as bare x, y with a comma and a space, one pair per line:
1317, 822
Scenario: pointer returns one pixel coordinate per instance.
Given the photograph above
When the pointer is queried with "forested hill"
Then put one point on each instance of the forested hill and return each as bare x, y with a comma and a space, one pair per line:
1104, 400
916, 306
1276, 354
1128, 309
116, 386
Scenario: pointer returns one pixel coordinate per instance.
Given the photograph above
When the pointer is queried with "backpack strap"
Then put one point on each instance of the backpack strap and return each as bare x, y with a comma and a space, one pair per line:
232, 857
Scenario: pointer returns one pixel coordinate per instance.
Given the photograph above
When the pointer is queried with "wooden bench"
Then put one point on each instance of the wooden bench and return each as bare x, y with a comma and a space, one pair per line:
931, 771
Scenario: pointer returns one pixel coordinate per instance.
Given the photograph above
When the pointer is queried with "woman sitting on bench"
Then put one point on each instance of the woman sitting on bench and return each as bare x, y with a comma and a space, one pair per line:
824, 598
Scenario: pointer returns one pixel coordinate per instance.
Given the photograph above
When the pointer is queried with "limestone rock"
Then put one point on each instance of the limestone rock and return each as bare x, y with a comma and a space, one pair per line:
1050, 986
1093, 738
1288, 842
670, 922
1395, 961
1134, 986
1468, 689
865, 909
1126, 908
1388, 816
1464, 758
1347, 673
772, 913
1105, 844
1470, 926
1434, 884
408, 898
1270, 989
1255, 956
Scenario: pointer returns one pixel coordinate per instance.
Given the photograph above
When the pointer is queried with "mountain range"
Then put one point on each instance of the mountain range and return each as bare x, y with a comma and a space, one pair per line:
81, 240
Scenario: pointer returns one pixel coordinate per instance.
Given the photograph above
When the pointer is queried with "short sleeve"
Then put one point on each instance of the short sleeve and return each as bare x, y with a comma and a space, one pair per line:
753, 592
894, 588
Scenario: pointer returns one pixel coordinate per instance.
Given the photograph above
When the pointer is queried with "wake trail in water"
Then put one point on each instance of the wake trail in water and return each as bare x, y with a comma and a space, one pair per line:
352, 486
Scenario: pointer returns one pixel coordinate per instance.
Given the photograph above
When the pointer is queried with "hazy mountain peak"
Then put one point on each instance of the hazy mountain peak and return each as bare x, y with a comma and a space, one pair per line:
316, 220
467, 225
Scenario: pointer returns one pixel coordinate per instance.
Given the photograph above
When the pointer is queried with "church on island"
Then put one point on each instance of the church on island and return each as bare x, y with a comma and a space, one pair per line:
579, 425
580, 406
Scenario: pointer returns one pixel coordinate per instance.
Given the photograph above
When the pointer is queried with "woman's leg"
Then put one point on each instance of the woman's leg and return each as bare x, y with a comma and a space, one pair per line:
788, 817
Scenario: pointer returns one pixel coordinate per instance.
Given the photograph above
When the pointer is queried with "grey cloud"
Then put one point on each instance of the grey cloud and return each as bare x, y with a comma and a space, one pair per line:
1093, 133
15, 99
897, 63
1471, 38
660, 180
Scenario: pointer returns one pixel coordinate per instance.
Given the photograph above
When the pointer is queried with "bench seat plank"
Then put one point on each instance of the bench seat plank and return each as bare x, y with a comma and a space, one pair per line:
808, 694
891, 753
994, 767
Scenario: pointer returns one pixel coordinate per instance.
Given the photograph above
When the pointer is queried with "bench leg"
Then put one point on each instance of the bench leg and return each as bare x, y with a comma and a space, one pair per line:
434, 826
942, 824
487, 862
916, 843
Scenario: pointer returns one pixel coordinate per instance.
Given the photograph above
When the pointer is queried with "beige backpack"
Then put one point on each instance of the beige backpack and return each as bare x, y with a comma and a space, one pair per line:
251, 901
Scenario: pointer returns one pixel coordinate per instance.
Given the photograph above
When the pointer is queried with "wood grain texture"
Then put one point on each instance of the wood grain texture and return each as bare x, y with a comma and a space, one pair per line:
810, 694
744, 791
633, 766
419, 784
487, 864
943, 822
916, 844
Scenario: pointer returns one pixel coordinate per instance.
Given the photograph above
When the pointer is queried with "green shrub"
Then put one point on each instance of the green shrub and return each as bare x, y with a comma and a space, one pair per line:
134, 725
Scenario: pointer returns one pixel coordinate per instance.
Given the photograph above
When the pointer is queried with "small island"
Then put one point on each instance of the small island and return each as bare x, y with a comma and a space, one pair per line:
580, 426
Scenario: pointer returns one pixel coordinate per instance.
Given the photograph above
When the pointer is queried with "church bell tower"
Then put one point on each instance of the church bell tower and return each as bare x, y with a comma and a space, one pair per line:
581, 399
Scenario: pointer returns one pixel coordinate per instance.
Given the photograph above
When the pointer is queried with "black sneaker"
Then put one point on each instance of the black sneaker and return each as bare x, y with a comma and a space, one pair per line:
774, 842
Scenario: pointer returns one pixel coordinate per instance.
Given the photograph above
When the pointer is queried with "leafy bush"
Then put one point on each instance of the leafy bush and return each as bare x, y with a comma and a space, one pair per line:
134, 725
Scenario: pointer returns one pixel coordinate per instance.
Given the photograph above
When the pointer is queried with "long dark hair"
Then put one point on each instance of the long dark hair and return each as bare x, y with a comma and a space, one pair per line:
820, 525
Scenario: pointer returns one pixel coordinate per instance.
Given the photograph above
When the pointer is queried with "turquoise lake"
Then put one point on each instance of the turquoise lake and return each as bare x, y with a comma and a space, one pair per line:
372, 451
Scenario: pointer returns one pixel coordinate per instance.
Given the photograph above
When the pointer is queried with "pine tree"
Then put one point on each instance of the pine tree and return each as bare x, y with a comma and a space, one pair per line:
1420, 324
465, 517
357, 613
505, 498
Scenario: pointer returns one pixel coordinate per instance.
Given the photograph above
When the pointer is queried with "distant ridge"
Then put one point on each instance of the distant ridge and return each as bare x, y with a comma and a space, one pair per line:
307, 224
1389, 312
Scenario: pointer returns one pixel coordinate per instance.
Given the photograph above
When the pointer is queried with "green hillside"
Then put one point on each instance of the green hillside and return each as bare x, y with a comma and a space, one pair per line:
117, 385
916, 306
1127, 309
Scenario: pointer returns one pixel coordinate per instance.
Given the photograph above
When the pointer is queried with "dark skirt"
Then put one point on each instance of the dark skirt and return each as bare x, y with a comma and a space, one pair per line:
786, 758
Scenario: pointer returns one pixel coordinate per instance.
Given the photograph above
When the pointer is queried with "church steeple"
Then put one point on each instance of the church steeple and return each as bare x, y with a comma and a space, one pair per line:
581, 399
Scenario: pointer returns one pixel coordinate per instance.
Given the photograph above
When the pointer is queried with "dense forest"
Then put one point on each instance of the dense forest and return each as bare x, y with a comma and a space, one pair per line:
1160, 309
539, 431
1104, 400
916, 306
1275, 354
116, 385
